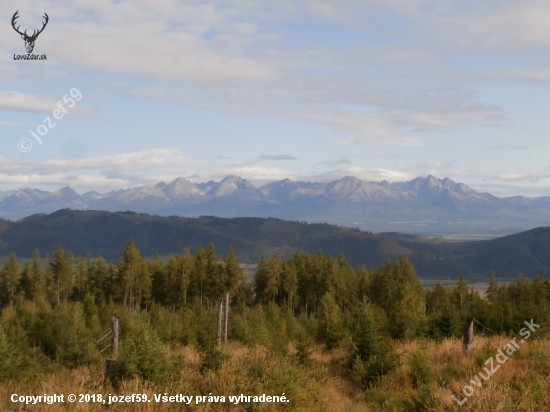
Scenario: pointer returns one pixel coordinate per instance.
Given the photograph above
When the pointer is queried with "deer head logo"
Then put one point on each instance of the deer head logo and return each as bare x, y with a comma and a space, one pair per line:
29, 40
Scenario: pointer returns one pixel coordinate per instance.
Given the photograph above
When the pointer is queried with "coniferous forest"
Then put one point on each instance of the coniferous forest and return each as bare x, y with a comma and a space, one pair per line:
327, 335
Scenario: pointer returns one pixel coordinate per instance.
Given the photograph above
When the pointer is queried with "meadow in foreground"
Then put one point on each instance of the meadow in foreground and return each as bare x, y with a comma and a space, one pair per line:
428, 374
327, 336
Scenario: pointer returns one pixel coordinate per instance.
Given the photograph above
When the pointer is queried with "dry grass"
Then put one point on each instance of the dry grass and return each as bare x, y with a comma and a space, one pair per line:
521, 384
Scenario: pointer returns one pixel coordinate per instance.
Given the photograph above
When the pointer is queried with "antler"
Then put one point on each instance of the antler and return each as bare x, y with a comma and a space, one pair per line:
15, 17
34, 33
43, 25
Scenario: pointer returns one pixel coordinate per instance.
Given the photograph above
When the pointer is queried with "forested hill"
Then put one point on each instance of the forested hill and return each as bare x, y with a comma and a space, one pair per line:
107, 233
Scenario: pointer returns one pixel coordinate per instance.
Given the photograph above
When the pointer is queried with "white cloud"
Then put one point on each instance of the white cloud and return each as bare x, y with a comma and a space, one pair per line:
230, 57
479, 25
133, 161
352, 123
513, 146
363, 173
148, 167
255, 173
506, 190
438, 168
11, 100
276, 157
448, 119
164, 41
504, 27
128, 170
532, 177
406, 142
115, 171
7, 123
342, 160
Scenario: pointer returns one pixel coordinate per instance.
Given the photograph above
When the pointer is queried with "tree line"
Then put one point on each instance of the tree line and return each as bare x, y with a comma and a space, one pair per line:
134, 282
304, 284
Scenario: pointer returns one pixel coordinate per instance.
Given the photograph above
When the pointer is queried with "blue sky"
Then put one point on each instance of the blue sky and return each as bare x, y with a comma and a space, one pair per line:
314, 90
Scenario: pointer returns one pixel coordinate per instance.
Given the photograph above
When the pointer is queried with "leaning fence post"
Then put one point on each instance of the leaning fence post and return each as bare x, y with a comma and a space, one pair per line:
468, 336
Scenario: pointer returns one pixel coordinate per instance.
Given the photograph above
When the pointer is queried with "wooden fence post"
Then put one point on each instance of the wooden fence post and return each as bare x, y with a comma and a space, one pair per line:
114, 337
468, 336
110, 363
226, 316
220, 316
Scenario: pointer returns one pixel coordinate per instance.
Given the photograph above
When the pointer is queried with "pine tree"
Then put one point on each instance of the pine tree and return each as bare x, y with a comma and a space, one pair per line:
306, 285
364, 278
539, 293
215, 279
110, 283
306, 290
80, 279
233, 272
27, 285
396, 288
132, 276
49, 283
366, 334
173, 273
383, 286
159, 281
187, 262
198, 275
62, 270
461, 293
331, 329
409, 314
290, 282
260, 280
268, 278
318, 276
143, 294
98, 275
9, 361
9, 278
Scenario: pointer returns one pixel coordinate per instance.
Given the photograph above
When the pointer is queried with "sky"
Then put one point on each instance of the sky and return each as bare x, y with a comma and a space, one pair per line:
267, 90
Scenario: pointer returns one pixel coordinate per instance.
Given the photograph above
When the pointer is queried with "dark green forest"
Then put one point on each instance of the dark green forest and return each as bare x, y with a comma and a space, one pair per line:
106, 234
55, 308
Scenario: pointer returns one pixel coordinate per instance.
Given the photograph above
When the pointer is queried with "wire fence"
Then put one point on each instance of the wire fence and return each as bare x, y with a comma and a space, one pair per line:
106, 334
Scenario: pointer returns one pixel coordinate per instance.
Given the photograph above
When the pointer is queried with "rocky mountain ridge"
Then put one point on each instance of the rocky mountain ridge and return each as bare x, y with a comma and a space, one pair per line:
422, 205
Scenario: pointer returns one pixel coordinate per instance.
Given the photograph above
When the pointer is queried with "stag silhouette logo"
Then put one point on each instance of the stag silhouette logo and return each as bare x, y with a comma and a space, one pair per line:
29, 40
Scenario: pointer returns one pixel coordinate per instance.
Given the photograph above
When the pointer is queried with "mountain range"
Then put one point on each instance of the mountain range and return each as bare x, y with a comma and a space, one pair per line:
107, 233
423, 205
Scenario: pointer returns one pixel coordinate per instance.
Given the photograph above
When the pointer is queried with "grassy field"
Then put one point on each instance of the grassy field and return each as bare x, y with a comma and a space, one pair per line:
429, 373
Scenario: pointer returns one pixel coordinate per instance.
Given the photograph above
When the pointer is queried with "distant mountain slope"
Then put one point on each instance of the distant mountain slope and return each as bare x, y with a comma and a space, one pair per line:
527, 252
106, 234
424, 205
